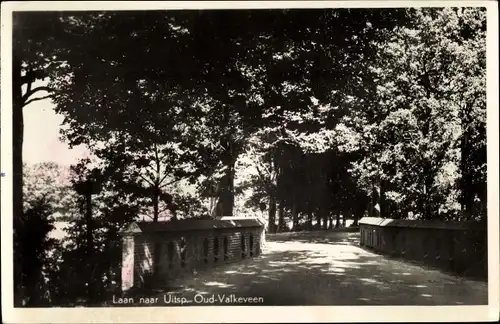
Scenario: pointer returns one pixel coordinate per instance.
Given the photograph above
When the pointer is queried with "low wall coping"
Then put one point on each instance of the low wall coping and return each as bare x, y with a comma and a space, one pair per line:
192, 224
450, 225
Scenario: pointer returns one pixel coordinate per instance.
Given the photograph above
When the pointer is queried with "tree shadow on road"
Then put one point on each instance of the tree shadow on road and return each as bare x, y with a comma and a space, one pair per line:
334, 271
305, 278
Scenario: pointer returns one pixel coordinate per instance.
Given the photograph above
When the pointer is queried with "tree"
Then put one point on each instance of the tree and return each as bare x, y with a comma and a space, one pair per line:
470, 96
229, 92
146, 167
279, 74
34, 245
45, 197
412, 135
86, 266
48, 182
275, 169
34, 58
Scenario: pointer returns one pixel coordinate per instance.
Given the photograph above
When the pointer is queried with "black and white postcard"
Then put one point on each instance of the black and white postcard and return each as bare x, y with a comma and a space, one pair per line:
249, 161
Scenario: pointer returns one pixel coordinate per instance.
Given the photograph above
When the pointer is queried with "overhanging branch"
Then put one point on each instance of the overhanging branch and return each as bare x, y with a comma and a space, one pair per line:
169, 183
146, 179
38, 99
163, 179
31, 92
31, 76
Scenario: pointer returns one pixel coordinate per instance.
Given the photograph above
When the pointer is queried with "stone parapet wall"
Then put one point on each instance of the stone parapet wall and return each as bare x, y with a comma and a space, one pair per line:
157, 253
456, 246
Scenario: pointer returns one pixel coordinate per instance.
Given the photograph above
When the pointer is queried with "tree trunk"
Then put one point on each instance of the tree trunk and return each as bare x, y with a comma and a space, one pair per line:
156, 216
295, 216
90, 246
376, 200
358, 213
344, 218
281, 217
371, 203
226, 195
467, 179
381, 200
318, 219
337, 219
17, 172
428, 182
309, 220
272, 214
228, 200
330, 222
325, 219
156, 202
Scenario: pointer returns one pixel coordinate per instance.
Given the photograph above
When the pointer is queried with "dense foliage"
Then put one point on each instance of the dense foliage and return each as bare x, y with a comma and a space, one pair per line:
315, 115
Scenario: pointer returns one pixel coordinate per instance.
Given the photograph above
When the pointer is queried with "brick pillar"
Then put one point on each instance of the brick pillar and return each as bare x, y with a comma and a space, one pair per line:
127, 262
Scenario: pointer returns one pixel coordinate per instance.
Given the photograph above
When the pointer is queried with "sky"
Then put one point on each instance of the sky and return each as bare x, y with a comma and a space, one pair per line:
41, 136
